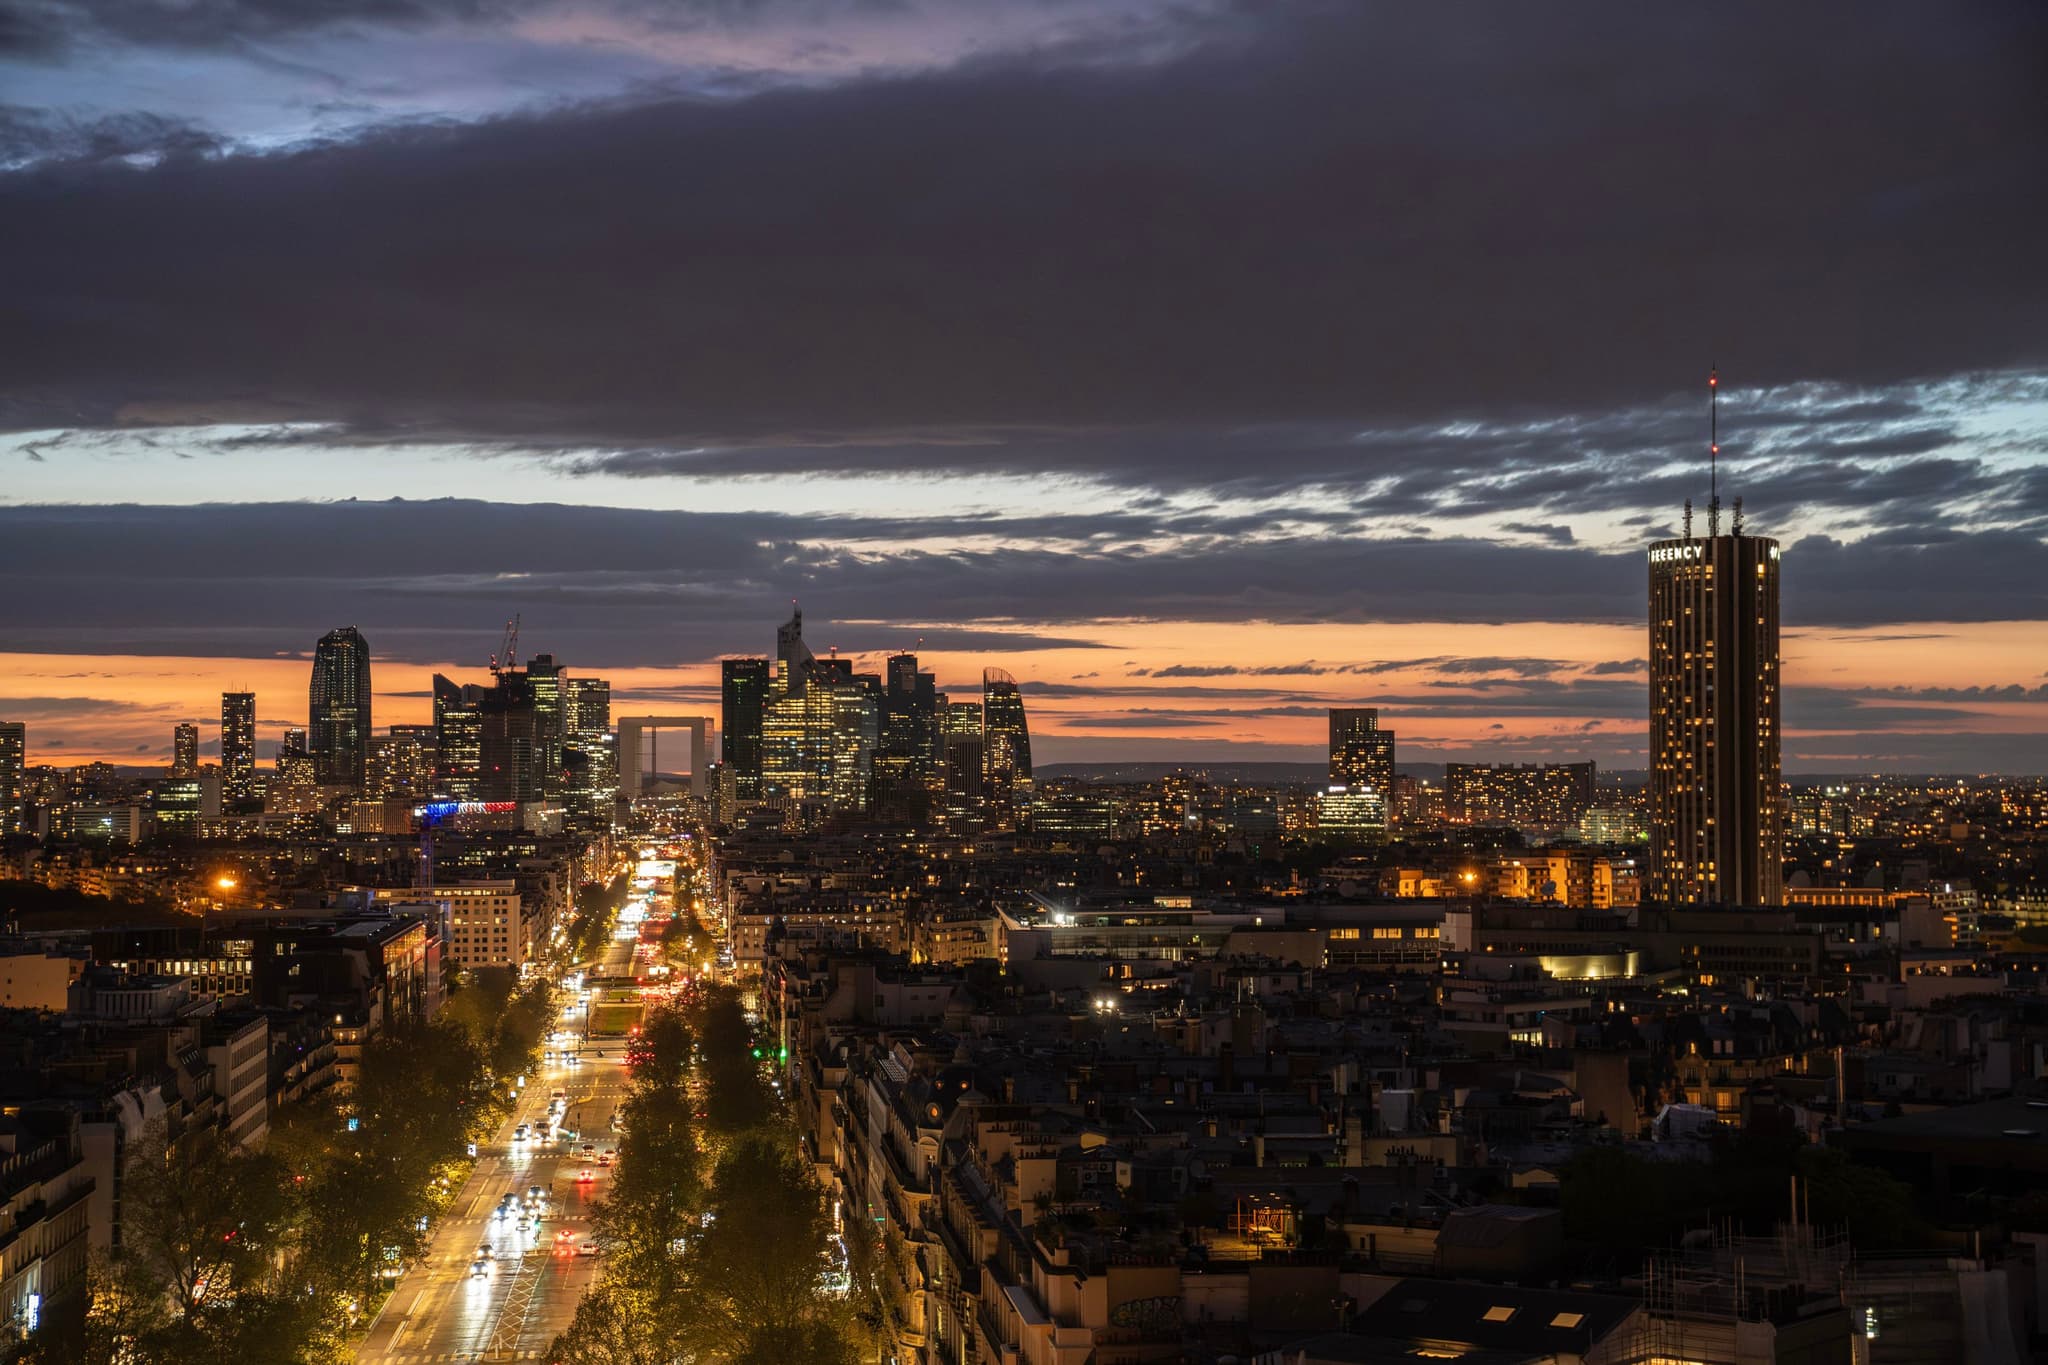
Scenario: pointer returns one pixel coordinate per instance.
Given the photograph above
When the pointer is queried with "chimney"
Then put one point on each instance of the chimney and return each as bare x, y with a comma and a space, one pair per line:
1258, 1149
1226, 1069
1009, 1090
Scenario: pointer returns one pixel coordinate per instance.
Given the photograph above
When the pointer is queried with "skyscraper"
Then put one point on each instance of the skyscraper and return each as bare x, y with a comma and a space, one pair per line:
550, 721
743, 693
1005, 740
793, 658
590, 756
185, 750
1717, 834
458, 739
401, 762
820, 725
338, 708
509, 744
295, 766
1361, 754
13, 775
237, 748
910, 716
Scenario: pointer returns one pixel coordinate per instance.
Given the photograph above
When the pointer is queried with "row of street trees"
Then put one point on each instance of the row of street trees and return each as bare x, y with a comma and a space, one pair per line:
228, 1255
717, 1233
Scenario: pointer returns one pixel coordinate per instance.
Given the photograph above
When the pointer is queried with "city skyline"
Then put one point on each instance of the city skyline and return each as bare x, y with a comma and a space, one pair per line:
936, 681
1504, 707
1195, 453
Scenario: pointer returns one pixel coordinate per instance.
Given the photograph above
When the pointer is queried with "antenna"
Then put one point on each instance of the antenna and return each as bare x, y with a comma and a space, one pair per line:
1688, 518
1714, 450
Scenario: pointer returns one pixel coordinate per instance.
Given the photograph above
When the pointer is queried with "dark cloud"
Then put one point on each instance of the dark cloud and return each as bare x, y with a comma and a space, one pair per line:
66, 708
1553, 531
1336, 213
49, 28
32, 134
438, 580
1137, 720
1310, 669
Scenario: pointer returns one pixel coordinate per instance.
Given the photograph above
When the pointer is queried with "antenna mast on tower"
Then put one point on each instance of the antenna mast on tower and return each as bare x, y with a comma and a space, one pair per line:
1714, 451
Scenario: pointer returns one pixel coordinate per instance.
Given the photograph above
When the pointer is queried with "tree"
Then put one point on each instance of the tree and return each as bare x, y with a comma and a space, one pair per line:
736, 1096
657, 1186
615, 1324
753, 1290
200, 1216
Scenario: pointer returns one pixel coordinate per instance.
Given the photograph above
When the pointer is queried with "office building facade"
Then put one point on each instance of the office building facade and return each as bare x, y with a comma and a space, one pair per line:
13, 776
1361, 754
743, 697
590, 755
458, 739
1540, 795
1716, 819
185, 750
238, 748
1005, 741
295, 767
338, 708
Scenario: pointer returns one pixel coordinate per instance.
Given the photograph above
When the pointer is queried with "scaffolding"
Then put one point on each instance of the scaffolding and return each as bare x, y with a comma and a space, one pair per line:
1722, 1298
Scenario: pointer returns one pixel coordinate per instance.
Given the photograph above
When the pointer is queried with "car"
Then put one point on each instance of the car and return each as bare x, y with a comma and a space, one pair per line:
536, 1195
523, 1223
574, 1060
589, 1249
583, 1177
479, 1270
604, 1158
519, 1133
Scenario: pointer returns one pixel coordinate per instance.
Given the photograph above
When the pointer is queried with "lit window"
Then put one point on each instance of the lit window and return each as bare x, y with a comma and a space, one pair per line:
1498, 1313
1567, 1319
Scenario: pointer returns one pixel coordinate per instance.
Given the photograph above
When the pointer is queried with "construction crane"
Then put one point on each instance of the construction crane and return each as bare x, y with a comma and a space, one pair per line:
511, 648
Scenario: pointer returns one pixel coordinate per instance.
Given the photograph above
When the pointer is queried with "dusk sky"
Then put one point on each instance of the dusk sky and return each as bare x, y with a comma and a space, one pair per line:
1203, 363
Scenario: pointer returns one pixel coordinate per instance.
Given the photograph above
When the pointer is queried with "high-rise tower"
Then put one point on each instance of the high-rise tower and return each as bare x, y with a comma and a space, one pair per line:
237, 748
458, 739
1005, 740
1361, 754
338, 708
13, 775
185, 750
1717, 832
743, 693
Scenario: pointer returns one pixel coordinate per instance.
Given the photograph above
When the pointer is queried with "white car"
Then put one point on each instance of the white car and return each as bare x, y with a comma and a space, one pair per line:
479, 1270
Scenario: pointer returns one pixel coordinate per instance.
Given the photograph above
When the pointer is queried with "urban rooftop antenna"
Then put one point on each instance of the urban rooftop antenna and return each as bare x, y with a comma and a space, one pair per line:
1714, 451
